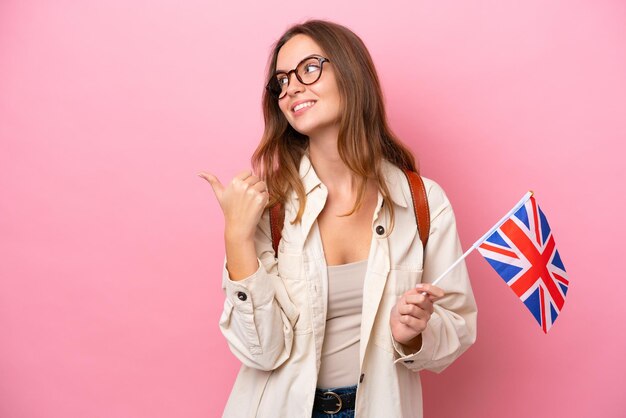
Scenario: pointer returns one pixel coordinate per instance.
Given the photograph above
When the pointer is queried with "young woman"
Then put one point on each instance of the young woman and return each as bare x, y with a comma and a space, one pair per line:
333, 325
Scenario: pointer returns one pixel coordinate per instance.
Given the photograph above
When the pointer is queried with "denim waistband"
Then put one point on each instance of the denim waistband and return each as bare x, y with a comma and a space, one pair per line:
338, 390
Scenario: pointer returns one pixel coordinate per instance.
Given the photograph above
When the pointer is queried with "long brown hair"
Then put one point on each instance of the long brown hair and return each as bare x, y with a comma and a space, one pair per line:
364, 135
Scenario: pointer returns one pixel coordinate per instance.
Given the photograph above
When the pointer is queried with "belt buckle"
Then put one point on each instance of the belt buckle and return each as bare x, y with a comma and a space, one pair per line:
338, 399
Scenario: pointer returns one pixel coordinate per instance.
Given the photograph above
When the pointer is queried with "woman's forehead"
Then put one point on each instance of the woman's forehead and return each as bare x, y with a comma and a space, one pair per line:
294, 50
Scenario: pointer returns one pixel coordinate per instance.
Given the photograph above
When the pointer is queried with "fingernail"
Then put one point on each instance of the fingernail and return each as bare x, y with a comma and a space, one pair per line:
419, 285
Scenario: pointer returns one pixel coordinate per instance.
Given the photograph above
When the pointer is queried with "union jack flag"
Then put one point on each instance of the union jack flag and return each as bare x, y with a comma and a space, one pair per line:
523, 252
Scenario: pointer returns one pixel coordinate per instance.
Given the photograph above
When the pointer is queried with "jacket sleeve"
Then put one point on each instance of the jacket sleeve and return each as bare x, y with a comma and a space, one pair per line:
258, 316
452, 326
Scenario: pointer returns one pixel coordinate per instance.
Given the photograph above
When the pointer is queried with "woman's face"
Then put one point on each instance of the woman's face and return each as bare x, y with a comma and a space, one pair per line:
313, 109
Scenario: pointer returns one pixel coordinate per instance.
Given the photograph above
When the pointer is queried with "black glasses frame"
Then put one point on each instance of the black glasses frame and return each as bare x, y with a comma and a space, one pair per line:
275, 89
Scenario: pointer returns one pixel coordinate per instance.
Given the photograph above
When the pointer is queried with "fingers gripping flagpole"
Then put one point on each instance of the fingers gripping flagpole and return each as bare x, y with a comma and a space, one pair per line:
484, 237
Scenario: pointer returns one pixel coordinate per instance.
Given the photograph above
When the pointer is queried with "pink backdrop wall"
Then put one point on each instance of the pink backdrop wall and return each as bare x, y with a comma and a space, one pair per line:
111, 246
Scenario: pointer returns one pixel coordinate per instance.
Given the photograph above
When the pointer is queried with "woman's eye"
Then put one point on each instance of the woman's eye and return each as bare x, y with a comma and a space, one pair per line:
309, 68
281, 80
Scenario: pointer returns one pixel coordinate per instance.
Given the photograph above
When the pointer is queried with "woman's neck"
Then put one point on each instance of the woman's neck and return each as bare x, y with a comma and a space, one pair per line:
329, 167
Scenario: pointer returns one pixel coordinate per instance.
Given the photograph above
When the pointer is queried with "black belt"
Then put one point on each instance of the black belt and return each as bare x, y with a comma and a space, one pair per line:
332, 403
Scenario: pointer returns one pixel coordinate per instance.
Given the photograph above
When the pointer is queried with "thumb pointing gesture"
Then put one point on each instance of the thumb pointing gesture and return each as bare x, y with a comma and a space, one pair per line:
217, 187
242, 200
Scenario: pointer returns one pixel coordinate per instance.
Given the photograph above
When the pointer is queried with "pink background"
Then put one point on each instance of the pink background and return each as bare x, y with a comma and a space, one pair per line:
111, 247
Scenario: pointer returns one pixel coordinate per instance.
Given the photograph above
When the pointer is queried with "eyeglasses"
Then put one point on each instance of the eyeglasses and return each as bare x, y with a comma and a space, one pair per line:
308, 71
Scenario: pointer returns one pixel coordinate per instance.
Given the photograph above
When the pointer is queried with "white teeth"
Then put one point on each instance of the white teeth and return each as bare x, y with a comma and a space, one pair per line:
303, 105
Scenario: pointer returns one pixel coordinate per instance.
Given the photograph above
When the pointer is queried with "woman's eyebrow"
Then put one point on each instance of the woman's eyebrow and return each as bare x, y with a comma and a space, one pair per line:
283, 71
315, 54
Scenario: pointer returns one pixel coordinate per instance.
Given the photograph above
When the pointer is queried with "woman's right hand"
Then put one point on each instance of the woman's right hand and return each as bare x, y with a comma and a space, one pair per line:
242, 201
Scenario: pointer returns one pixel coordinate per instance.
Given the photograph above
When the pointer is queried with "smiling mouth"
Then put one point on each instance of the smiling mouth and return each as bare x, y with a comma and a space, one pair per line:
303, 106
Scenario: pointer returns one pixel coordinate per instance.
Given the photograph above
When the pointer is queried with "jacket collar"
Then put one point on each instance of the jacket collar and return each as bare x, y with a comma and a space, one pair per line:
394, 177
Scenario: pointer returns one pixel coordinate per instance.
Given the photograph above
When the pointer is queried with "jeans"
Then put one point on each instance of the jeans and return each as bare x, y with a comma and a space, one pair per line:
346, 413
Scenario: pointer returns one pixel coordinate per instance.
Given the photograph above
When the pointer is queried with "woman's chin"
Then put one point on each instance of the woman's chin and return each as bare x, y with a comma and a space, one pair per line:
304, 130
316, 130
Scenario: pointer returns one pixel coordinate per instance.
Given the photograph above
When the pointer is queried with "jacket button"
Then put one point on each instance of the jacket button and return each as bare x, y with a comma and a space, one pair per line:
242, 296
380, 230
361, 378
409, 361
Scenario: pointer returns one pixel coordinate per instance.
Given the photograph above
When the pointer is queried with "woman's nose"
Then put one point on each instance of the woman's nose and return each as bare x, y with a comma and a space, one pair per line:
294, 86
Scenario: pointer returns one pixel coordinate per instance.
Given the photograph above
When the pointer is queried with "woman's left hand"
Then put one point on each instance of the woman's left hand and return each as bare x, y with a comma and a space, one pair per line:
412, 311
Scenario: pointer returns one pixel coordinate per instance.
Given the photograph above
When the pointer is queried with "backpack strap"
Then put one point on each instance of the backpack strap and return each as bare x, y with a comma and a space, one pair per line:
420, 205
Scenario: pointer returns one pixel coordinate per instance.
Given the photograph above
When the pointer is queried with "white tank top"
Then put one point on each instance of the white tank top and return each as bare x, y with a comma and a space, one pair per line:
340, 351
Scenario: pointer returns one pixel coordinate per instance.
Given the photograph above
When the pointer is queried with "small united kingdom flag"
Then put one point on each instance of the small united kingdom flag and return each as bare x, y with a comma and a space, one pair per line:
523, 252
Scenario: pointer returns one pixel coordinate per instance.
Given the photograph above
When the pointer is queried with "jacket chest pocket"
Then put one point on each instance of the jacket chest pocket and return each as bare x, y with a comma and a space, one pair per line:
291, 272
398, 283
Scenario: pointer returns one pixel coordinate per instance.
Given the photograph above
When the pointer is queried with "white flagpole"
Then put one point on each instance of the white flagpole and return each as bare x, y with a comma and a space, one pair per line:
484, 237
